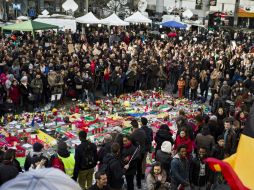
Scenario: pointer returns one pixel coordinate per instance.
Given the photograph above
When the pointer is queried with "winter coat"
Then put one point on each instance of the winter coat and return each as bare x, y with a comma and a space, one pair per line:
193, 84
152, 182
205, 83
37, 86
205, 141
31, 157
127, 153
197, 177
230, 143
138, 137
14, 94
165, 160
115, 170
88, 84
104, 150
218, 152
7, 172
80, 154
149, 137
225, 92
115, 78
179, 170
161, 136
55, 82
187, 141
181, 84
130, 78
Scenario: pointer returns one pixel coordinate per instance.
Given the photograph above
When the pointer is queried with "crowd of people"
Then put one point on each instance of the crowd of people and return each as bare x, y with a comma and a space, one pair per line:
178, 163
214, 67
32, 71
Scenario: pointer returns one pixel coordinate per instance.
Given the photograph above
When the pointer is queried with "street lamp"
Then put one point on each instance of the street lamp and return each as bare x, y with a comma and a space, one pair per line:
5, 6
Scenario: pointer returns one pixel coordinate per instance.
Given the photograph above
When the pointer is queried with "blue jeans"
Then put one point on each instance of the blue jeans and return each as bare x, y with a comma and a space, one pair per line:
105, 86
89, 95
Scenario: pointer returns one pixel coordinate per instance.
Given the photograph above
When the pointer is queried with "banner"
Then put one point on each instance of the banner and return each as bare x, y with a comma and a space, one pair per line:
199, 4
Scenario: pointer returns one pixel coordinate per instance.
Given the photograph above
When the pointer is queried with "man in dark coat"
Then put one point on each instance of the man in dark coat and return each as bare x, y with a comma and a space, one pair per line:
200, 174
8, 170
163, 134
114, 167
101, 181
149, 139
106, 148
129, 156
85, 160
229, 138
138, 138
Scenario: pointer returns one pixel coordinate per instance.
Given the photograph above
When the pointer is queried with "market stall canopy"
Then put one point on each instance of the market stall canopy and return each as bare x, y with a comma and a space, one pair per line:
137, 17
89, 18
30, 25
63, 23
114, 20
173, 24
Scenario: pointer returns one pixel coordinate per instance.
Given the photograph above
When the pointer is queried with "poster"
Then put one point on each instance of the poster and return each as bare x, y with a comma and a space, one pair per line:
199, 4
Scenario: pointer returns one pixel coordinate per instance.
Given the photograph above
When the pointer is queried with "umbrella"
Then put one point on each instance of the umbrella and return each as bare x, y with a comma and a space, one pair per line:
172, 34
173, 24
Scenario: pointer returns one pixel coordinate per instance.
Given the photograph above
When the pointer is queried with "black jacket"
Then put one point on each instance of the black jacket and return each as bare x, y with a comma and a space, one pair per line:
149, 137
95, 187
138, 137
127, 153
161, 136
7, 172
218, 152
104, 150
165, 160
116, 171
81, 156
34, 157
195, 177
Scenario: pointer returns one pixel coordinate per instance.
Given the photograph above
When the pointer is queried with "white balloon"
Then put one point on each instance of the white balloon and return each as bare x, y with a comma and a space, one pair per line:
70, 5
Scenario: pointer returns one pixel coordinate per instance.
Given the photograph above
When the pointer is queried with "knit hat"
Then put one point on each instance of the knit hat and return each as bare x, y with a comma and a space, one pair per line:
42, 179
213, 118
166, 147
24, 78
37, 147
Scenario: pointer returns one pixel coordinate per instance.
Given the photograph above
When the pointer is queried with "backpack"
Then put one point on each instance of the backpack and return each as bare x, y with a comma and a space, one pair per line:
89, 158
57, 163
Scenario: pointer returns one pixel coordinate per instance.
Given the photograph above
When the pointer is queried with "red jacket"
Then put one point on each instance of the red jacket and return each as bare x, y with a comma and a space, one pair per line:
93, 65
14, 94
186, 141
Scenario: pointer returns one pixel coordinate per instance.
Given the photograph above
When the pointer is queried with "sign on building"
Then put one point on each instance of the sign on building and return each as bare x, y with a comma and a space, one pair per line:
199, 4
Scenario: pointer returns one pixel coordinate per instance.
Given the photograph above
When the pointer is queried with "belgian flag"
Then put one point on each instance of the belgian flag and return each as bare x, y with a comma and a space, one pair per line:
238, 169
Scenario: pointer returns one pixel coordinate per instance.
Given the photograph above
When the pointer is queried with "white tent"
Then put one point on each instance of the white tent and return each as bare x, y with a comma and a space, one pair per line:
137, 17
89, 18
114, 20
